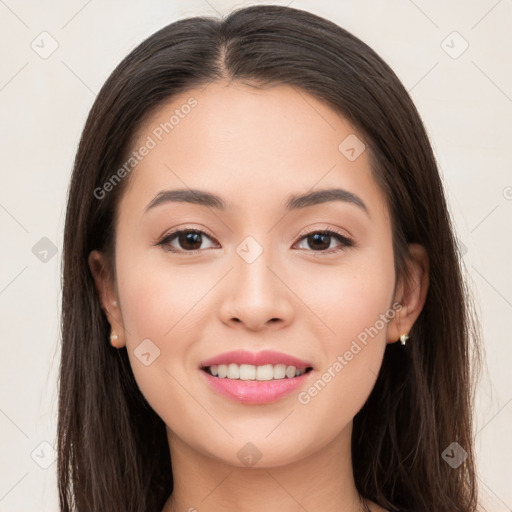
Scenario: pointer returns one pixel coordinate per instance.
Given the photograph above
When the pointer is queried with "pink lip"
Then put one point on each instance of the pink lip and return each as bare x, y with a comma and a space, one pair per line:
254, 391
256, 359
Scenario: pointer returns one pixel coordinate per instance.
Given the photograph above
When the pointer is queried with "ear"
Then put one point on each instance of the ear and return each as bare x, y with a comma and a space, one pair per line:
106, 289
411, 293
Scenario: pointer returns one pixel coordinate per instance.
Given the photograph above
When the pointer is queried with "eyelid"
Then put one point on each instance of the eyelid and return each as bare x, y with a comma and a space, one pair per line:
165, 239
326, 227
346, 240
184, 227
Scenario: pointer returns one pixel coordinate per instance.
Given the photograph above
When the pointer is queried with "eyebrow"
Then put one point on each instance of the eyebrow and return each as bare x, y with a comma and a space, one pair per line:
294, 202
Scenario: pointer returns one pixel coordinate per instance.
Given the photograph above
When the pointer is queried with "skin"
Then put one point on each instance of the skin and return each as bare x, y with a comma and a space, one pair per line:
254, 148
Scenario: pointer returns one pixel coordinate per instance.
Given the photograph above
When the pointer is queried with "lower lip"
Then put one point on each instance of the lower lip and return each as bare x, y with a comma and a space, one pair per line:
255, 391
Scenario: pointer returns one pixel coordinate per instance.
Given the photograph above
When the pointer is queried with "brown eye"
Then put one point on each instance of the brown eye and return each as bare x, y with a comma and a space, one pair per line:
188, 240
320, 241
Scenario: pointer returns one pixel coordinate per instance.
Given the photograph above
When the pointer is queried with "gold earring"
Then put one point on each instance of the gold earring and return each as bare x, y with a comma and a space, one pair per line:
113, 339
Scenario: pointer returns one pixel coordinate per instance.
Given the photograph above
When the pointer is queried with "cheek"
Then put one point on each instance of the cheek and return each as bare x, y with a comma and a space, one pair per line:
159, 300
160, 307
352, 301
350, 297
352, 359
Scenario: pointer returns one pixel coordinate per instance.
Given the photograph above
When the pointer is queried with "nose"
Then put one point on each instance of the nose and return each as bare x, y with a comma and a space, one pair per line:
256, 295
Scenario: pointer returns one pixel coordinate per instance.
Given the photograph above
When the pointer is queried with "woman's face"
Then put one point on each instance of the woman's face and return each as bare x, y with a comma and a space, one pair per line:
253, 279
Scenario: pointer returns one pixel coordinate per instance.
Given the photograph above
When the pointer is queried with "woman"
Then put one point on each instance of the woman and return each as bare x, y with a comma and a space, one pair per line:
262, 302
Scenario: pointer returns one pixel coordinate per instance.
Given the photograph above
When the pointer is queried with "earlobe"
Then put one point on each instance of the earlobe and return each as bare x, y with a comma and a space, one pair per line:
105, 288
411, 294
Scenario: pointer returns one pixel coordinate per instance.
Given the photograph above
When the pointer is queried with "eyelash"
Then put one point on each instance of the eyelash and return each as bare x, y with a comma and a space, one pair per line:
344, 241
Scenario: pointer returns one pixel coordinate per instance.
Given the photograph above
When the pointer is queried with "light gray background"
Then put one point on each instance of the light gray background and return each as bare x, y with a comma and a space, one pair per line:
466, 105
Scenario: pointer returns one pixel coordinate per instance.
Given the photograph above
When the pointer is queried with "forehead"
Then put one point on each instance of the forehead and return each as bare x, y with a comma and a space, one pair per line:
246, 143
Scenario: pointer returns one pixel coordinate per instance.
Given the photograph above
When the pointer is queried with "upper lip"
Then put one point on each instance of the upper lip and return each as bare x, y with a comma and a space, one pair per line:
256, 359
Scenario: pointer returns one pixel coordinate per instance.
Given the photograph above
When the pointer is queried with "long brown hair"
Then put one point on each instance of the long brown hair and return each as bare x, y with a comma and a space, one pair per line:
113, 454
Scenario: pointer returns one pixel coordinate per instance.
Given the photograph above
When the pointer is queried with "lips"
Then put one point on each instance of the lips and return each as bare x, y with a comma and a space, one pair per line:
254, 392
256, 359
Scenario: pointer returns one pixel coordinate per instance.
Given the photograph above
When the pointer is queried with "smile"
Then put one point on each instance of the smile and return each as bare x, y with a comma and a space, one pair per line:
259, 373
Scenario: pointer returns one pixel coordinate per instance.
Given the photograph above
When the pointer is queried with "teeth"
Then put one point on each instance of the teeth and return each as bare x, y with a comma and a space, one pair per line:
247, 371
233, 371
250, 372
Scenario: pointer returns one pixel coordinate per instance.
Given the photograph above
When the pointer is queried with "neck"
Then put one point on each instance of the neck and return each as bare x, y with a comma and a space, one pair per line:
321, 481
